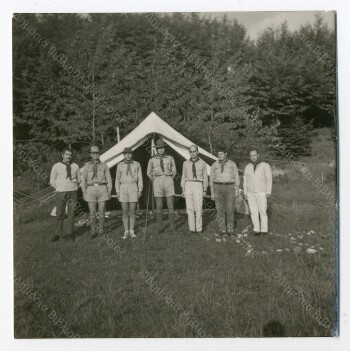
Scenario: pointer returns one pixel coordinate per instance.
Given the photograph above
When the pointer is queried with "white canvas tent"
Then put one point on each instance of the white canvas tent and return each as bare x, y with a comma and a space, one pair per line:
151, 126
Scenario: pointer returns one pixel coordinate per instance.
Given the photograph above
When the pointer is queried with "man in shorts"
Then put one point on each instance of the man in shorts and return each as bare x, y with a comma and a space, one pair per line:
128, 185
161, 170
96, 184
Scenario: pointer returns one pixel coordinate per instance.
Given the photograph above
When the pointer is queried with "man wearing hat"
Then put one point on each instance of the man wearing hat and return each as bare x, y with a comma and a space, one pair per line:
65, 178
194, 183
161, 170
128, 185
96, 184
224, 187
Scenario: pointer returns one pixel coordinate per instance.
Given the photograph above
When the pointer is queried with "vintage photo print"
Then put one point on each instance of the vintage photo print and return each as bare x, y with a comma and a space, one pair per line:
175, 174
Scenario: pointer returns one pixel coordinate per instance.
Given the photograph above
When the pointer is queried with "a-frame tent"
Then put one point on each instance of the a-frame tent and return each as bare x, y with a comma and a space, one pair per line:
142, 140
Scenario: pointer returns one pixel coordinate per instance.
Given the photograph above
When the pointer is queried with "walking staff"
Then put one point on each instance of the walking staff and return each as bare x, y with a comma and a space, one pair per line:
96, 184
194, 183
257, 185
65, 178
161, 170
224, 186
128, 185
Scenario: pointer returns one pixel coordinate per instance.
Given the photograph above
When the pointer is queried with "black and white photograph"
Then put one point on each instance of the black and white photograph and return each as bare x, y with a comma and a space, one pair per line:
175, 174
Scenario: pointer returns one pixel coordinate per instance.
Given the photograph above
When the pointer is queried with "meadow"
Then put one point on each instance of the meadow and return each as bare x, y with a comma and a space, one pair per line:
182, 285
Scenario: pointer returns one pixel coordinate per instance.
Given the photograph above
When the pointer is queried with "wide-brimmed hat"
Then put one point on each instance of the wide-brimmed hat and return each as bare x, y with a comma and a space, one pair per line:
127, 150
160, 144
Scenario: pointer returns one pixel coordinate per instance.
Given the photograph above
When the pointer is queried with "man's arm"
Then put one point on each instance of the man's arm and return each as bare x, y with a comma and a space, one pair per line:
173, 166
150, 169
237, 180
109, 180
268, 176
117, 179
78, 176
205, 177
139, 178
211, 180
84, 180
245, 187
183, 176
53, 176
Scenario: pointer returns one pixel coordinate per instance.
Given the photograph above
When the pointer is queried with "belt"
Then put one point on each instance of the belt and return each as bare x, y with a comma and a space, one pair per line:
97, 184
224, 183
163, 175
194, 180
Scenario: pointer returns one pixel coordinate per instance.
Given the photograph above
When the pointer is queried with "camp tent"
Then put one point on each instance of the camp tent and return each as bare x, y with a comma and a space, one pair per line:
149, 129
142, 140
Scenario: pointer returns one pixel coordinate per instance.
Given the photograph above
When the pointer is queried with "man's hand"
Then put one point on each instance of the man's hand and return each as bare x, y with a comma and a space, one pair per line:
246, 197
204, 193
212, 196
268, 196
139, 193
118, 196
183, 193
84, 196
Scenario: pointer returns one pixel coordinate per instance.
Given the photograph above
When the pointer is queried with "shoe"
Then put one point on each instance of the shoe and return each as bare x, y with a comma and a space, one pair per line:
126, 233
222, 233
264, 233
132, 234
191, 232
256, 233
199, 233
55, 238
69, 237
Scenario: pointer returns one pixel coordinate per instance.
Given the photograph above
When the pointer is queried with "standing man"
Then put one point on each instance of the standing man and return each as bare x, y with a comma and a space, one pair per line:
161, 170
65, 178
224, 185
194, 183
96, 185
257, 184
128, 185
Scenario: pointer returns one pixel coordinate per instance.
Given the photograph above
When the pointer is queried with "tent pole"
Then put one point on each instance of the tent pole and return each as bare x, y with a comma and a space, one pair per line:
152, 154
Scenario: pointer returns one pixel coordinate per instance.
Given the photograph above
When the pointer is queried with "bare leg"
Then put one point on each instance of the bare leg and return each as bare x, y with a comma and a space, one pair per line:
125, 215
170, 204
132, 214
92, 209
159, 208
101, 213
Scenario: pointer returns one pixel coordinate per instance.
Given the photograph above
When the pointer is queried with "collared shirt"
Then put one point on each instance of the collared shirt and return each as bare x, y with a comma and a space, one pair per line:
59, 180
154, 169
258, 181
201, 173
103, 175
134, 175
228, 175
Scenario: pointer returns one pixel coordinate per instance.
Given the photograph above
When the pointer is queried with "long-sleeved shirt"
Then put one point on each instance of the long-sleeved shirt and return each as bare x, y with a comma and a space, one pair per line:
102, 176
201, 173
59, 180
154, 168
228, 175
258, 181
133, 176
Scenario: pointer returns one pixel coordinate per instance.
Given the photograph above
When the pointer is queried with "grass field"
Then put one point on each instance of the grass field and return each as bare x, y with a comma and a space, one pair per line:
182, 286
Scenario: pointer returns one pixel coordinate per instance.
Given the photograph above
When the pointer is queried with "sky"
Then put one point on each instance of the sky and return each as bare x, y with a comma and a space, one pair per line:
256, 22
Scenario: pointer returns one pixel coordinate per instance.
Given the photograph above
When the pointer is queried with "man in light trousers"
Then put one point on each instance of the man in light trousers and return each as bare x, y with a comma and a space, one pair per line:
194, 183
257, 184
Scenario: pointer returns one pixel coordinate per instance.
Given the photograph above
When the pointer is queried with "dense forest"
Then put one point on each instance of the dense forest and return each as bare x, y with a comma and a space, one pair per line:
76, 78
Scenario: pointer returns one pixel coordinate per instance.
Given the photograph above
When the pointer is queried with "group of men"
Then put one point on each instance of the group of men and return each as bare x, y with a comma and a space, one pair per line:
96, 183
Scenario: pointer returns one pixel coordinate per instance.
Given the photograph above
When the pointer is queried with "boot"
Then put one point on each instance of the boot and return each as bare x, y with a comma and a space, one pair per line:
159, 222
172, 222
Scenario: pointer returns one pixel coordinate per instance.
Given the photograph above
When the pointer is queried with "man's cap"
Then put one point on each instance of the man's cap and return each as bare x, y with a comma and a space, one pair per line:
160, 144
94, 148
127, 150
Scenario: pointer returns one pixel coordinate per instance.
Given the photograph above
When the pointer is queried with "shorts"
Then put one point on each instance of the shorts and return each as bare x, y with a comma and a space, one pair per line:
128, 192
96, 193
163, 186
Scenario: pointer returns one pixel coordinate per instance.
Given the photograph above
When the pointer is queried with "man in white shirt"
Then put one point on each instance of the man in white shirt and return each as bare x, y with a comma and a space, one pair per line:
194, 183
257, 185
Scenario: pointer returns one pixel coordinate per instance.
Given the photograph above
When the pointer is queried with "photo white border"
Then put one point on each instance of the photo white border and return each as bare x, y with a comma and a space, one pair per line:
7, 341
